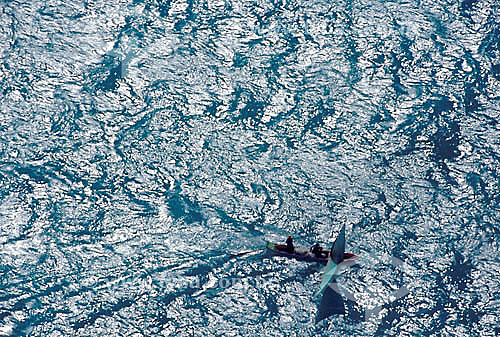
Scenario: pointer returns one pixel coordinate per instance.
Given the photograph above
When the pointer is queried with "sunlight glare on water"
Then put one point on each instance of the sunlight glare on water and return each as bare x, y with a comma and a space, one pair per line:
145, 144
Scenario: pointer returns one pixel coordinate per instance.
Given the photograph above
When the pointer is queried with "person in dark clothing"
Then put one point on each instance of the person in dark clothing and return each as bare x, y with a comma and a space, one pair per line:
317, 250
289, 244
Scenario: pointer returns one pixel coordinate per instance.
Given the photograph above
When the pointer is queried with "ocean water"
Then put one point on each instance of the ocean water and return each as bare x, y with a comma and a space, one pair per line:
145, 144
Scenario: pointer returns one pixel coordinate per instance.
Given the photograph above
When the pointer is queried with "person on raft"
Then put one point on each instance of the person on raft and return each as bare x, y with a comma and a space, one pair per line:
316, 250
289, 244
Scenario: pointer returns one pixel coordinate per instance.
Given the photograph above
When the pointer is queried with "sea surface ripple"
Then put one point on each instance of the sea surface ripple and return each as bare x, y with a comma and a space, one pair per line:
144, 143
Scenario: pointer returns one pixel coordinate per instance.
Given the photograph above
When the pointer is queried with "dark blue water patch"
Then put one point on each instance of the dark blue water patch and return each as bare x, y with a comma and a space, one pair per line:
110, 83
163, 302
254, 42
133, 27
257, 150
490, 45
105, 76
466, 6
393, 317
64, 122
238, 225
471, 102
238, 94
381, 118
211, 108
251, 113
104, 186
407, 239
38, 174
272, 307
439, 30
355, 313
37, 319
291, 143
471, 317
141, 129
446, 141
440, 106
252, 110
103, 310
495, 71
459, 273
394, 69
265, 19
455, 279
201, 270
4, 314
176, 206
163, 6
405, 46
443, 143
240, 60
475, 181
88, 230
371, 220
189, 16
317, 121
145, 208
261, 189
379, 59
398, 87
279, 59
182, 207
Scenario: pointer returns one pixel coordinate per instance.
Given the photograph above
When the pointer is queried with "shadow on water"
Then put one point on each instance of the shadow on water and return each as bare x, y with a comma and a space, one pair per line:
452, 290
113, 112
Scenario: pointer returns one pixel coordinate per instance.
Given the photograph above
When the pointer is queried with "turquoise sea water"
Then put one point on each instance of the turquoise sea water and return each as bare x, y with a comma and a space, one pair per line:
142, 143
